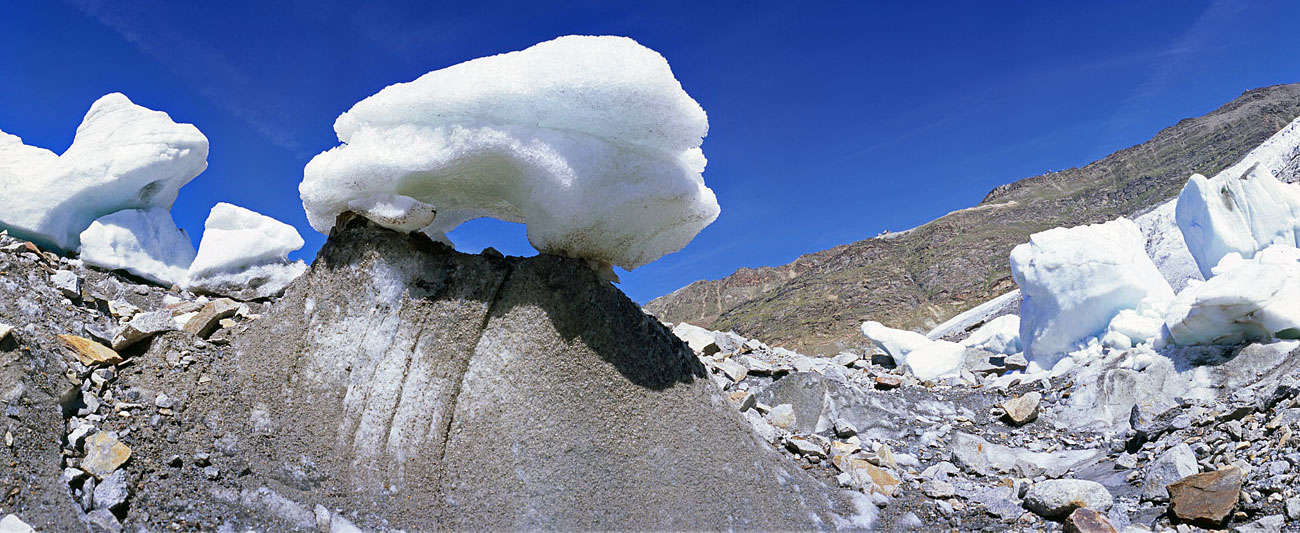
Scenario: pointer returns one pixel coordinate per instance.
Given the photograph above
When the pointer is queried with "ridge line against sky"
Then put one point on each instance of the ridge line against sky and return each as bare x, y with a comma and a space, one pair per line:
826, 125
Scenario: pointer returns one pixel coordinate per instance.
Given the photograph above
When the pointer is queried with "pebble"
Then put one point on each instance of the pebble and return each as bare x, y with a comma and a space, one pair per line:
104, 454
1022, 410
112, 492
938, 489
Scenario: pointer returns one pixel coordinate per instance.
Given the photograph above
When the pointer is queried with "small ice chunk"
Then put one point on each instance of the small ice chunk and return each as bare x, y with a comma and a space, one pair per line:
244, 254
938, 359
1000, 335
1135, 327
589, 141
1246, 300
1241, 212
895, 342
1075, 280
123, 156
144, 242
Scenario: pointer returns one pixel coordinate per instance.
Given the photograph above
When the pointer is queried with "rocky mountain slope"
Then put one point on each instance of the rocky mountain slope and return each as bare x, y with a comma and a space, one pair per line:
921, 277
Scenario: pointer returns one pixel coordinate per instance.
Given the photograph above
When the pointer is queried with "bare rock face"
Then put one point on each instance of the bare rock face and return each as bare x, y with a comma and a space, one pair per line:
417, 387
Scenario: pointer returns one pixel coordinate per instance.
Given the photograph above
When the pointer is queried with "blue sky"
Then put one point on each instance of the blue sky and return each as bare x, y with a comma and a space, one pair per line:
828, 123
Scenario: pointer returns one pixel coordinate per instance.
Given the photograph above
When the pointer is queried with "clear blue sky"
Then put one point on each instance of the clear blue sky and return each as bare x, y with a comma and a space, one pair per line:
827, 124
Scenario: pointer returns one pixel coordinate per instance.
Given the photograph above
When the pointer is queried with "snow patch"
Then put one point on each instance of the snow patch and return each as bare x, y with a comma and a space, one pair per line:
244, 253
1000, 335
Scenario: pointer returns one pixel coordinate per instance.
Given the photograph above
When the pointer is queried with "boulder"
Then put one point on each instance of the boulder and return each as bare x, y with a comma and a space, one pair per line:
1057, 498
477, 392
1176, 463
1206, 499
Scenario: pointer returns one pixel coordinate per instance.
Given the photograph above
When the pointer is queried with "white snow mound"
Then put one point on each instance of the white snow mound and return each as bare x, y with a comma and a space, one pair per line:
589, 141
1075, 280
144, 242
244, 254
1000, 335
938, 359
1247, 300
123, 157
897, 343
1237, 213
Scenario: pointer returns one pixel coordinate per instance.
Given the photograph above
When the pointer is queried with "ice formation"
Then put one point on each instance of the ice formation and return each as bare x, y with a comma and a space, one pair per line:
589, 141
937, 359
144, 242
1000, 335
245, 254
895, 342
123, 157
1237, 213
1130, 328
1252, 299
1075, 280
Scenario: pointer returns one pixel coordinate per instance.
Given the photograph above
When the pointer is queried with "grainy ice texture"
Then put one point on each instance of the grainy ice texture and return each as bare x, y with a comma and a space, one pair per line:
1075, 280
144, 242
123, 157
1238, 211
589, 141
244, 254
1253, 299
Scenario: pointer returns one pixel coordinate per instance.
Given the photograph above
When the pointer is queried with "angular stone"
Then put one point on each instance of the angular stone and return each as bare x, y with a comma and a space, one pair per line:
1174, 464
1206, 499
12, 524
845, 358
733, 370
68, 283
1015, 361
1085, 520
143, 326
805, 446
103, 521
1268, 524
1057, 498
782, 416
5, 331
703, 341
844, 428
886, 382
881, 480
938, 489
209, 317
743, 400
91, 352
104, 454
1023, 409
113, 491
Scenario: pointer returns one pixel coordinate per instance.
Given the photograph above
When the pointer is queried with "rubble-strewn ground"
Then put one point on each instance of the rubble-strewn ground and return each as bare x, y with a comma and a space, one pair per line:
140, 445
952, 454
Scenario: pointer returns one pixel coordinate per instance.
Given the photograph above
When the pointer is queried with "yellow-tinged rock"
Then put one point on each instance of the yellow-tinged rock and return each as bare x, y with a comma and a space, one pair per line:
91, 352
104, 454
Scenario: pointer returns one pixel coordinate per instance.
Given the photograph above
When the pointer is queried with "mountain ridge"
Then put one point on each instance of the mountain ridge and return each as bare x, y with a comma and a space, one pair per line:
920, 277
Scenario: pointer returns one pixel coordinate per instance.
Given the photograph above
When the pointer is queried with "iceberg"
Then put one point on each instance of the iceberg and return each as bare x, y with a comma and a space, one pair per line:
144, 242
244, 254
1076, 280
1246, 300
123, 156
589, 141
1237, 212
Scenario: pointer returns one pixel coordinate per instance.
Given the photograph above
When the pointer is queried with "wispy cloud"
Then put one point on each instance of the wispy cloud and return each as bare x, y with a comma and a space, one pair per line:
205, 69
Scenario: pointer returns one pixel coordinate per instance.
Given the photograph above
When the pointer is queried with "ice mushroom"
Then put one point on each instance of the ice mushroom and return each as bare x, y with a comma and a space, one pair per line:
123, 156
589, 141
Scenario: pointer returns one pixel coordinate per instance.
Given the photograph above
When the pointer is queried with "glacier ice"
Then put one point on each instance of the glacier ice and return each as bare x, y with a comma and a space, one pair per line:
1237, 213
144, 242
1000, 335
123, 156
1075, 280
244, 254
937, 359
1252, 299
589, 141
895, 342
1131, 327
